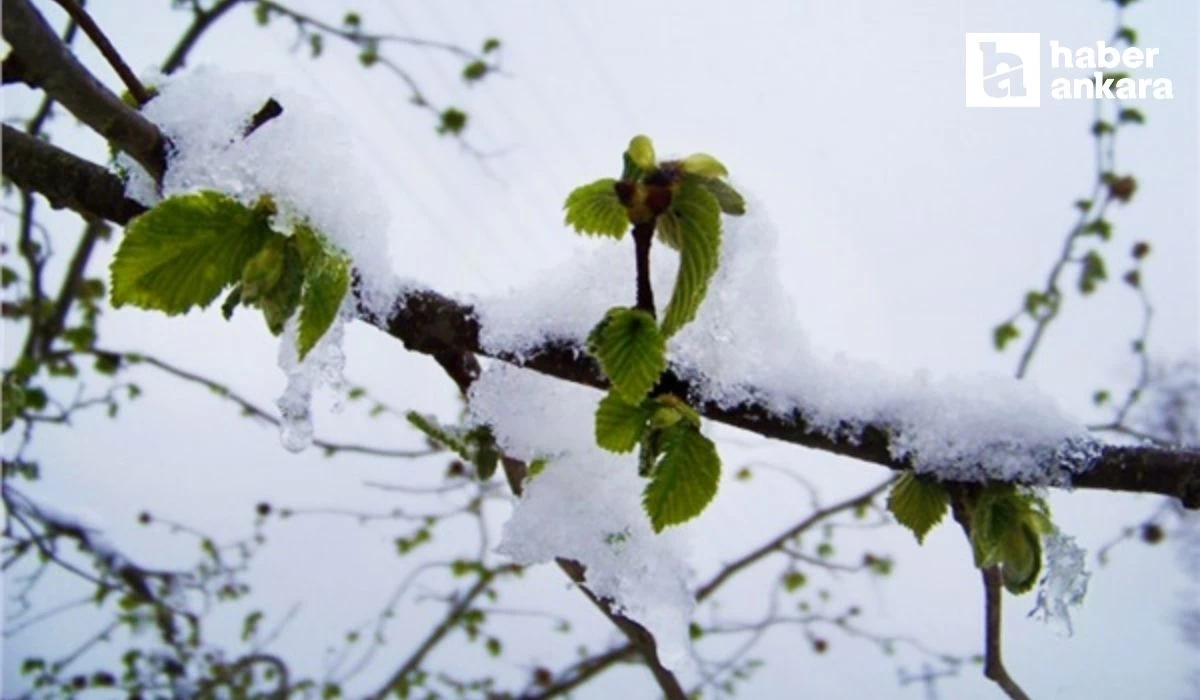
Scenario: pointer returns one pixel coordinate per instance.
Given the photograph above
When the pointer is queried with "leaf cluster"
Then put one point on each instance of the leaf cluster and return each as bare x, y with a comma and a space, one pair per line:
190, 248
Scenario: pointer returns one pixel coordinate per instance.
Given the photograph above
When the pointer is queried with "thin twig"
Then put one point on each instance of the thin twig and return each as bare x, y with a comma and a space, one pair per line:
776, 543
89, 27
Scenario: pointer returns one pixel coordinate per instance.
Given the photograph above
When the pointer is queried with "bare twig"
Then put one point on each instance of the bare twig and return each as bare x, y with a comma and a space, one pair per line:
201, 23
448, 622
776, 543
89, 27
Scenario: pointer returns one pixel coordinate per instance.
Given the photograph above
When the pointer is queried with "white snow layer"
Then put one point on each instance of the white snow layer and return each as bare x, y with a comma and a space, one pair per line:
586, 505
748, 345
305, 161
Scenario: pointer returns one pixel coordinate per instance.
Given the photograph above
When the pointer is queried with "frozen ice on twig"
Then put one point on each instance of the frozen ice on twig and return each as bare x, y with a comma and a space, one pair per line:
1064, 584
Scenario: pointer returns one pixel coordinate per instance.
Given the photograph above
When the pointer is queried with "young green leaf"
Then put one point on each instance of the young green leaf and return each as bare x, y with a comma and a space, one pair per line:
631, 351
672, 409
918, 504
185, 251
325, 285
704, 165
620, 425
232, 300
595, 210
280, 303
641, 152
729, 199
487, 457
449, 438
263, 271
648, 453
669, 230
699, 218
1022, 560
685, 479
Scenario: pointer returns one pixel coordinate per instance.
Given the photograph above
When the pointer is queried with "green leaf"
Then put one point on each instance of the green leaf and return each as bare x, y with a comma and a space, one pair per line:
729, 199
475, 70
1022, 553
1092, 272
672, 409
620, 425
699, 218
1130, 115
684, 480
641, 152
325, 285
669, 230
279, 304
1006, 528
184, 251
595, 210
704, 165
487, 457
263, 271
648, 453
491, 44
369, 55
631, 351
445, 436
231, 301
1003, 334
918, 504
453, 121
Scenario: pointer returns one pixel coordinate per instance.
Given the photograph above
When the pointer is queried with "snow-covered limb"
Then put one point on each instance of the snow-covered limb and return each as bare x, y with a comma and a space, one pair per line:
434, 324
431, 323
879, 420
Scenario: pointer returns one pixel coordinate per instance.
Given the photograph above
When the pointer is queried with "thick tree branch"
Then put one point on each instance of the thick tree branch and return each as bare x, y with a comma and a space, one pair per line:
47, 63
65, 179
450, 330
429, 322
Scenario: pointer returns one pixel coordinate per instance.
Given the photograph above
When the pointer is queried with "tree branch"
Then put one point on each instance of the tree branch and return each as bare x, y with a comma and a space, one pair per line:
449, 330
48, 64
447, 624
777, 543
89, 27
203, 20
65, 179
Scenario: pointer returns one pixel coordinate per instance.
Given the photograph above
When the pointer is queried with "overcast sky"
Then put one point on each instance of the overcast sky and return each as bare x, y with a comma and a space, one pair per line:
909, 227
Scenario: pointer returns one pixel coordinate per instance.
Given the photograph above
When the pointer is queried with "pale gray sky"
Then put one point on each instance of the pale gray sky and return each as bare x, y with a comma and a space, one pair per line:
909, 227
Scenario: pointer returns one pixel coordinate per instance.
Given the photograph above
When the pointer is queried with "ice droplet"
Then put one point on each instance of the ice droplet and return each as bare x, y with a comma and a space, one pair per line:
296, 429
1064, 585
321, 367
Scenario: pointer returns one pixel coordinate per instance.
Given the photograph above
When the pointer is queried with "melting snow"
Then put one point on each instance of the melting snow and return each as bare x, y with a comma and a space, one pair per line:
587, 504
747, 345
306, 162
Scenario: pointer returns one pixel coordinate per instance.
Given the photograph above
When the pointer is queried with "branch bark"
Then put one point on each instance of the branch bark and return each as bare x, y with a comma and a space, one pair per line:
65, 180
46, 63
449, 330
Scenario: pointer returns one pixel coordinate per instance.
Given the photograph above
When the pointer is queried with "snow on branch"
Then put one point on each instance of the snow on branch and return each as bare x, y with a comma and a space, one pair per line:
906, 426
